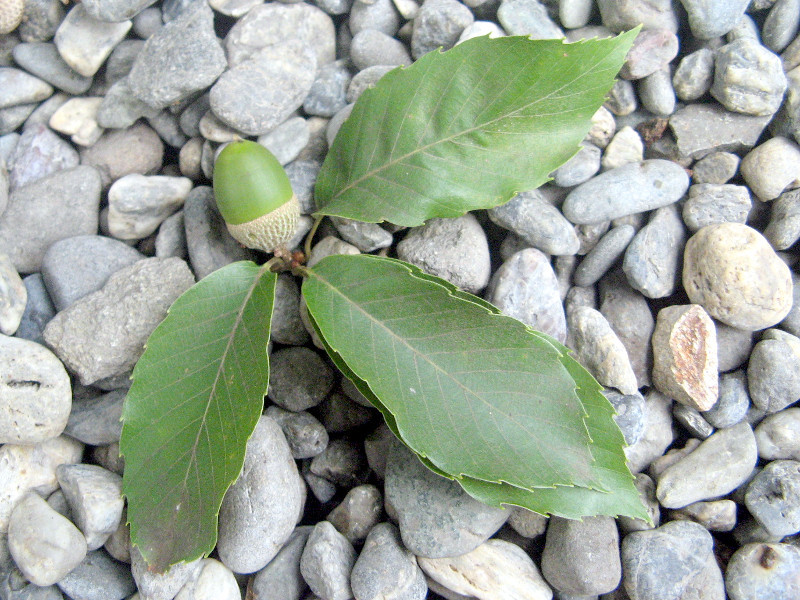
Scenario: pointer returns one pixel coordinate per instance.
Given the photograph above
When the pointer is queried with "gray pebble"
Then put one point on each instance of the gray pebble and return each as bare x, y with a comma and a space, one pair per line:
605, 253
115, 10
171, 238
88, 335
40, 20
138, 204
647, 494
527, 523
651, 50
97, 421
582, 557
43, 60
625, 147
701, 129
748, 78
214, 580
121, 60
620, 16
137, 149
439, 23
772, 167
323, 490
343, 463
45, 546
120, 108
717, 515
778, 435
281, 577
626, 190
709, 19
11, 118
274, 24
528, 18
525, 287
598, 348
16, 587
334, 7
574, 13
538, 222
287, 326
85, 42
694, 75
367, 237
656, 92
380, 15
385, 569
692, 421
718, 466
19, 88
305, 435
13, 297
781, 24
147, 22
302, 175
715, 168
733, 403
764, 571
299, 378
622, 100
630, 414
733, 346
454, 249
773, 497
675, 560
376, 446
35, 392
160, 586
39, 310
168, 128
340, 414
327, 561
773, 373
709, 204
327, 94
372, 48
95, 499
260, 509
77, 266
98, 577
628, 313
359, 511
580, 296
579, 168
792, 321
783, 229
258, 94
436, 516
182, 58
39, 153
364, 80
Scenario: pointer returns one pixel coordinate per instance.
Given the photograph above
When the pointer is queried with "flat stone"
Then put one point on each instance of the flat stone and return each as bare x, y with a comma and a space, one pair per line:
98, 577
281, 577
577, 169
39, 153
88, 337
35, 392
367, 237
651, 50
13, 297
620, 16
77, 118
685, 356
626, 190
182, 58
731, 270
701, 129
710, 204
718, 466
260, 509
43, 60
496, 569
716, 168
138, 204
760, 570
327, 561
45, 545
783, 229
778, 435
716, 515
19, 88
772, 373
85, 42
604, 254
525, 287
436, 517
773, 497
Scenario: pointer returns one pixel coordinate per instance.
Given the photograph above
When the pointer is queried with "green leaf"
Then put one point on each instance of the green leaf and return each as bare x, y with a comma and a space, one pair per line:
467, 128
470, 390
197, 393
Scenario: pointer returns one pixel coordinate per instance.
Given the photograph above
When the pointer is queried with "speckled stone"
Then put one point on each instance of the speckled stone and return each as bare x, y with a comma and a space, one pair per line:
710, 204
763, 570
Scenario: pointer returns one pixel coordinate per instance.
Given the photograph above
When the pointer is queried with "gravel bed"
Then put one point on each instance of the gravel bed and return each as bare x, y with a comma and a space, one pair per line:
664, 253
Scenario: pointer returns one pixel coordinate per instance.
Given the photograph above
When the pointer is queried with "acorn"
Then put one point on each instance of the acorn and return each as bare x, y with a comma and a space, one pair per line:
254, 196
10, 15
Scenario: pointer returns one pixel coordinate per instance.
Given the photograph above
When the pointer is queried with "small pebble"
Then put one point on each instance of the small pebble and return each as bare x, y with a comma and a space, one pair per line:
19, 88
438, 23
160, 586
627, 15
773, 373
528, 18
358, 513
577, 169
138, 204
98, 577
624, 148
342, 462
371, 48
772, 167
326, 563
694, 75
758, 571
783, 229
778, 435
13, 297
39, 310
212, 580
733, 403
692, 421
773, 497
299, 378
701, 129
781, 24
716, 515
281, 577
603, 256
710, 19
651, 50
305, 435
85, 42
622, 98
39, 153
711, 204
95, 499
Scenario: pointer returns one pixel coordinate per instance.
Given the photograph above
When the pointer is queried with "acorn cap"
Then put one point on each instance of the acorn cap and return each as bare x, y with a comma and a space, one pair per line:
269, 231
248, 182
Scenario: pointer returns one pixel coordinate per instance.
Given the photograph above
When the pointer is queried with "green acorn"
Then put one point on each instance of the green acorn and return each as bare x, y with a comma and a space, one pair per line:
254, 196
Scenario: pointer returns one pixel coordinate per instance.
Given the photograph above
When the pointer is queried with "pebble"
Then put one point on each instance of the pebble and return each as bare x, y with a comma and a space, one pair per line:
656, 92
685, 356
88, 336
630, 317
43, 60
385, 569
41, 20
624, 148
620, 16
715, 168
38, 310
778, 435
380, 15
622, 100
582, 557
602, 127
525, 288
13, 297
783, 229
340, 414
371, 48
692, 421
717, 515
630, 414
496, 569
781, 24
77, 118
772, 167
281, 577
96, 420
305, 435
733, 403
708, 19
19, 88
138, 204
98, 577
137, 149
456, 250
731, 270
439, 23
171, 237
701, 129
120, 108
675, 560
45, 545
213, 580
326, 563
260, 509
575, 171
159, 79
85, 42
160, 586
694, 75
761, 570
358, 513
711, 204
773, 497
299, 378
95, 499
11, 118
718, 466
342, 462
748, 78
35, 393
626, 190
603, 256
39, 153
288, 139
77, 266
436, 517
367, 237
574, 13
287, 325
733, 346
599, 349
651, 50
772, 373
479, 29
327, 95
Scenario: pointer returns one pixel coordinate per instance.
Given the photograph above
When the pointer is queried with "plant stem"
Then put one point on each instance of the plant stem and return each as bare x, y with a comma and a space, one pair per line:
310, 236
